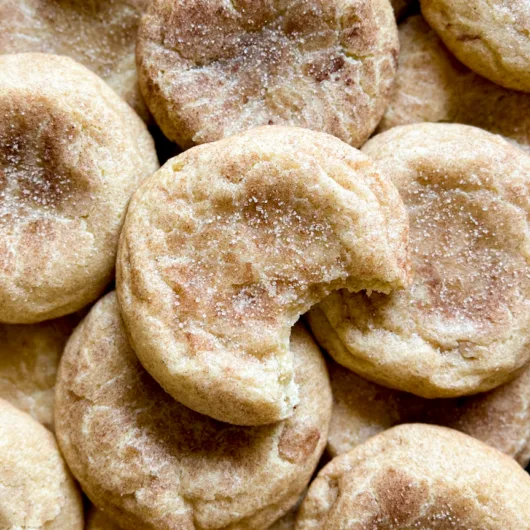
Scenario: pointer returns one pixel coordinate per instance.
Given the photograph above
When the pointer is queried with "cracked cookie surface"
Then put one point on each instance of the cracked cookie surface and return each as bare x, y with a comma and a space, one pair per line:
463, 326
211, 69
150, 462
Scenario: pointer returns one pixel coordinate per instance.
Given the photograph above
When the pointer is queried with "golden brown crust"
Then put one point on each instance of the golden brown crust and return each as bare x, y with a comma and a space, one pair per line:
361, 409
29, 359
71, 154
464, 325
230, 242
489, 36
432, 86
209, 69
36, 489
418, 477
151, 463
100, 34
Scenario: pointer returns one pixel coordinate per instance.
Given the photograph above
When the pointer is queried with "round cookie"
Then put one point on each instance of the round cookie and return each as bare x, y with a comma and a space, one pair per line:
100, 34
419, 477
463, 326
149, 462
29, 359
209, 69
432, 86
71, 154
230, 242
489, 36
361, 409
37, 490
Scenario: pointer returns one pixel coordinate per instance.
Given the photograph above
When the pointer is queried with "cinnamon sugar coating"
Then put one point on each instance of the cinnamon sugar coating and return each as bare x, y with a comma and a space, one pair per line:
209, 69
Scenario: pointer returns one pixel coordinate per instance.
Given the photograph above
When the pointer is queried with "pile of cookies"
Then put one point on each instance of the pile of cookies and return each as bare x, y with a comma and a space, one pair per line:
316, 316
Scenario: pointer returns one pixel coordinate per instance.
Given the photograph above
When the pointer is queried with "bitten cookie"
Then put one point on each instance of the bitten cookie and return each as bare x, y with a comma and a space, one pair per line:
29, 358
71, 154
419, 477
432, 86
464, 325
489, 36
361, 409
99, 34
209, 69
36, 489
149, 462
230, 242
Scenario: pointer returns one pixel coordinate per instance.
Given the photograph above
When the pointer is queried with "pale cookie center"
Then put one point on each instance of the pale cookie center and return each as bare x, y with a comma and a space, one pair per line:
465, 257
249, 265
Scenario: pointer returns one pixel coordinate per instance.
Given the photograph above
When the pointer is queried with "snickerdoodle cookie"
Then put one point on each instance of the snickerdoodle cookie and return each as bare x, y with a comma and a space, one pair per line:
100, 34
432, 86
230, 242
29, 358
464, 325
71, 154
361, 409
419, 477
36, 489
209, 69
492, 37
150, 462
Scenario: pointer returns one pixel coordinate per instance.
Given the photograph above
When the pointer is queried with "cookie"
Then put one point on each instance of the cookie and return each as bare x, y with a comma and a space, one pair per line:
209, 69
432, 86
230, 242
99, 34
421, 477
463, 326
97, 520
37, 490
361, 409
29, 358
489, 36
149, 462
71, 154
